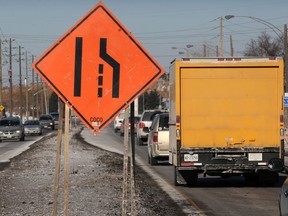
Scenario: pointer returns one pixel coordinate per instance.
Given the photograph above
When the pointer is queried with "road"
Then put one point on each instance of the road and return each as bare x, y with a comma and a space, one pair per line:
12, 148
213, 195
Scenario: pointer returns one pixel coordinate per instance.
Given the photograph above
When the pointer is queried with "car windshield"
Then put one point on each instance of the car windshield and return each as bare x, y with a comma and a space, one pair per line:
31, 123
55, 116
121, 116
148, 116
9, 122
164, 122
44, 118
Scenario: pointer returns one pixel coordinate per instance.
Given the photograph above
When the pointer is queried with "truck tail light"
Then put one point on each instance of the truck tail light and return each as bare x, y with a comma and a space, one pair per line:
177, 119
141, 125
155, 137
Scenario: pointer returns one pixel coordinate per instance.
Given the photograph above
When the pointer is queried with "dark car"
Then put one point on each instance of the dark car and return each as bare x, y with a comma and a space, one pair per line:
47, 121
11, 128
33, 127
55, 115
283, 199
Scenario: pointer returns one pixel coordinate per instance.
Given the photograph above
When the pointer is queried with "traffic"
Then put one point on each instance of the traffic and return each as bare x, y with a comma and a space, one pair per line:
212, 132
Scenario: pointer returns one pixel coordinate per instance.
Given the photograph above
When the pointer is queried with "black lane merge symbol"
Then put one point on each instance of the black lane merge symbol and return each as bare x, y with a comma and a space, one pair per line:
78, 67
116, 69
107, 58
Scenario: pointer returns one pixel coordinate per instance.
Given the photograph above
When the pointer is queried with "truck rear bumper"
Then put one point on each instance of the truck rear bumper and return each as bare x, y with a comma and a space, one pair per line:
236, 160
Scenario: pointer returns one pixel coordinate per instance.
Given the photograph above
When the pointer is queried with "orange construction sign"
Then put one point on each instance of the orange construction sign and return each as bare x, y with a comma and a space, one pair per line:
98, 68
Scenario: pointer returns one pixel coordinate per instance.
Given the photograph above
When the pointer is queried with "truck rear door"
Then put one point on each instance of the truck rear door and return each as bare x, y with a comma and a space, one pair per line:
230, 106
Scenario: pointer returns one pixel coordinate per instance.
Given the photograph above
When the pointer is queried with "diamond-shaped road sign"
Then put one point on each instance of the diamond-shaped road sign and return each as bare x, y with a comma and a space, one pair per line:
98, 68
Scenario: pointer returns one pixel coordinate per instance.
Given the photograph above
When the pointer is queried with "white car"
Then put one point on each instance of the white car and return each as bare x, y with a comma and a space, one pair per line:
158, 139
118, 121
145, 121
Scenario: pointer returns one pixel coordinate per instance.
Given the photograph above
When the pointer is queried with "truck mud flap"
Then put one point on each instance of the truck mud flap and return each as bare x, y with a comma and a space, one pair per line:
185, 177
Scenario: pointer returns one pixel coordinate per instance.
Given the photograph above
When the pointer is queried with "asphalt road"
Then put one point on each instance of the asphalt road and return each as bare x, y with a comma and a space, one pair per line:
213, 195
12, 148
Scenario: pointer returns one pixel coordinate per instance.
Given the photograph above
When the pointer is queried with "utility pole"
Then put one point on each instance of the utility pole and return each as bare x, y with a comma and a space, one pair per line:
231, 46
20, 84
33, 91
10, 76
217, 51
26, 85
1, 103
285, 72
285, 58
221, 37
45, 98
42, 97
37, 97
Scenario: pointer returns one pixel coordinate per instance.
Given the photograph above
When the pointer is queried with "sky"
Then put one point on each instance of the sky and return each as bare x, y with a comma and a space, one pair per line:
159, 25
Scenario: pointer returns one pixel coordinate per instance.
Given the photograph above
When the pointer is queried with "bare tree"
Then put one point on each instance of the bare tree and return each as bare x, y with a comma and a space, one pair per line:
263, 46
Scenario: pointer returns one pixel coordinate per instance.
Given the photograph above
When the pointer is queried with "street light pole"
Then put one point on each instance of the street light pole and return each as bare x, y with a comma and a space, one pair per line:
283, 37
264, 22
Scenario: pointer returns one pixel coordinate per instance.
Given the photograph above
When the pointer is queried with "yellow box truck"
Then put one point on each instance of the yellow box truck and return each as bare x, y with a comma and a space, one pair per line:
226, 118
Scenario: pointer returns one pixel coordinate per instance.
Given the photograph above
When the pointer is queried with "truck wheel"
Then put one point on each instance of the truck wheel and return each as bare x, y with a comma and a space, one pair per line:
268, 178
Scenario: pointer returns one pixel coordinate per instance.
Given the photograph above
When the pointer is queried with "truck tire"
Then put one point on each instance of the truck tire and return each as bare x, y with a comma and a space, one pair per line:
268, 178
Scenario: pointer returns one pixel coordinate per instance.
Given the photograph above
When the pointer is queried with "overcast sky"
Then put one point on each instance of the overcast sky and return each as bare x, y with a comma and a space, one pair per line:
159, 25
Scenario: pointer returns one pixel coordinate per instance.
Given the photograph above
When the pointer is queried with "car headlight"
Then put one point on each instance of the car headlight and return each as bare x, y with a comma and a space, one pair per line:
1, 132
18, 131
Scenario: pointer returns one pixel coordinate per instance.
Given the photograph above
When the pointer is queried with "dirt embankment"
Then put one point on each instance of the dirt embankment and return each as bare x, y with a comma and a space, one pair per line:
95, 183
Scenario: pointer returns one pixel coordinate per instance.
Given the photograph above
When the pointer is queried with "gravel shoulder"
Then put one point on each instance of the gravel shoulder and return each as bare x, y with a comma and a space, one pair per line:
95, 183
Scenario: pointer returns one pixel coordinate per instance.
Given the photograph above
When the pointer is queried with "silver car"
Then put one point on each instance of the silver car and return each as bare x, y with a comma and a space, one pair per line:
33, 127
283, 199
11, 128
158, 139
145, 121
